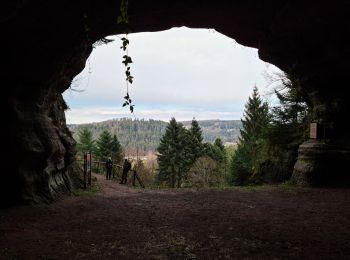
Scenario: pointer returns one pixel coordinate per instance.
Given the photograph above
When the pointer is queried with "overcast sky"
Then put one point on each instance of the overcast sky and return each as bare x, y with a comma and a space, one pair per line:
181, 73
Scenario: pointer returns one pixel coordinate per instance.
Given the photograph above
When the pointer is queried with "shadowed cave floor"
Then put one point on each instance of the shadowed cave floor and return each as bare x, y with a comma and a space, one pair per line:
272, 222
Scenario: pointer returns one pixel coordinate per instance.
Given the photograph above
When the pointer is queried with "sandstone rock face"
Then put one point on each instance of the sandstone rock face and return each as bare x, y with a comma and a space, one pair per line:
44, 154
321, 164
47, 43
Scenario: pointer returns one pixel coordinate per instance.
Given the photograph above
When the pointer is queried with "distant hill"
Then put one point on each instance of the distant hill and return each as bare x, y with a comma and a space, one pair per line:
227, 130
142, 136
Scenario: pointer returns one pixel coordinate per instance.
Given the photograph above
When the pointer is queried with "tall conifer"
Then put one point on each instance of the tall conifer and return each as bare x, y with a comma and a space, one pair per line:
252, 141
173, 154
195, 143
85, 141
116, 149
168, 157
104, 145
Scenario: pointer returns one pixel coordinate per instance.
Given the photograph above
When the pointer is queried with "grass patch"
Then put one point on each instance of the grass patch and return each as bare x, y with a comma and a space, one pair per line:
89, 192
282, 187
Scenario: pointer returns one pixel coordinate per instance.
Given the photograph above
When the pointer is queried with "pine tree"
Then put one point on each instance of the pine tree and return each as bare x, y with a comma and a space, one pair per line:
104, 145
218, 142
195, 142
256, 119
186, 153
288, 118
116, 149
172, 154
216, 151
287, 130
85, 141
220, 150
252, 142
240, 167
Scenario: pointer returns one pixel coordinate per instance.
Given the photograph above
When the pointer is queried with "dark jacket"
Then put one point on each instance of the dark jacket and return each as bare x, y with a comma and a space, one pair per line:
109, 164
126, 166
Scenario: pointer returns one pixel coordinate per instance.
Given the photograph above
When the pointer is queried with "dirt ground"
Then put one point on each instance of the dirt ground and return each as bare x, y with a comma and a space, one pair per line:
124, 223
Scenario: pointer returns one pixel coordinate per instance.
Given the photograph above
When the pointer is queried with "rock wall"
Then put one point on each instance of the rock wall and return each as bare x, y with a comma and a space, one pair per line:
322, 164
46, 43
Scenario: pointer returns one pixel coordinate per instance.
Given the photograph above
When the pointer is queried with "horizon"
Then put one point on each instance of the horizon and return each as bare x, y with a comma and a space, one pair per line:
148, 119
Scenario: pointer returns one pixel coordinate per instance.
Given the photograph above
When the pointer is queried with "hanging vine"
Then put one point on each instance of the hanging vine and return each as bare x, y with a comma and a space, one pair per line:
123, 20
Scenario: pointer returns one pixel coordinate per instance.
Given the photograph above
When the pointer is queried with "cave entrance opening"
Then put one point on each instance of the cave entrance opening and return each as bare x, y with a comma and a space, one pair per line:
182, 73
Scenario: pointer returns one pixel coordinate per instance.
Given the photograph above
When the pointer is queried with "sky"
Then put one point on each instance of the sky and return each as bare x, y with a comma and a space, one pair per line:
182, 73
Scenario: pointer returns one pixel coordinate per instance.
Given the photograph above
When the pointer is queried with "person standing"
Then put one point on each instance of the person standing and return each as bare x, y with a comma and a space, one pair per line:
109, 167
126, 169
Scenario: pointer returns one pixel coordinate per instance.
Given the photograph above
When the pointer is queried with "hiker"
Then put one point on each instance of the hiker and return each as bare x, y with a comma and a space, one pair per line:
126, 169
109, 166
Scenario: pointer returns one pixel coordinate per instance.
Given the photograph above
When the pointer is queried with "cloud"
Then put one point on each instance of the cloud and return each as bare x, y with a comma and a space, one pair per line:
181, 67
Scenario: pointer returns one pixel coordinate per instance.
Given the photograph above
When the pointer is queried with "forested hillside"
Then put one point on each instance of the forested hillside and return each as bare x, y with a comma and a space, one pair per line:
227, 131
141, 136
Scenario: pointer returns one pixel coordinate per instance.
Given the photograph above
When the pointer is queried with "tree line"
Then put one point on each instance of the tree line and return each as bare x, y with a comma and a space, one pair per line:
266, 150
179, 151
140, 136
103, 147
270, 137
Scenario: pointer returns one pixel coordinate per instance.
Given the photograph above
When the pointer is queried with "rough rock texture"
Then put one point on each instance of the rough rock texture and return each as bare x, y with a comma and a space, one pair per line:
47, 43
320, 163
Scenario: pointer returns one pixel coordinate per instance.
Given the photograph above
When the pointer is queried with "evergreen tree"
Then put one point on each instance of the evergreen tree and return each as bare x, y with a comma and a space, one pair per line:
85, 141
220, 151
116, 149
240, 167
288, 118
255, 119
287, 130
146, 135
218, 142
196, 140
252, 142
104, 145
186, 156
216, 151
173, 154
